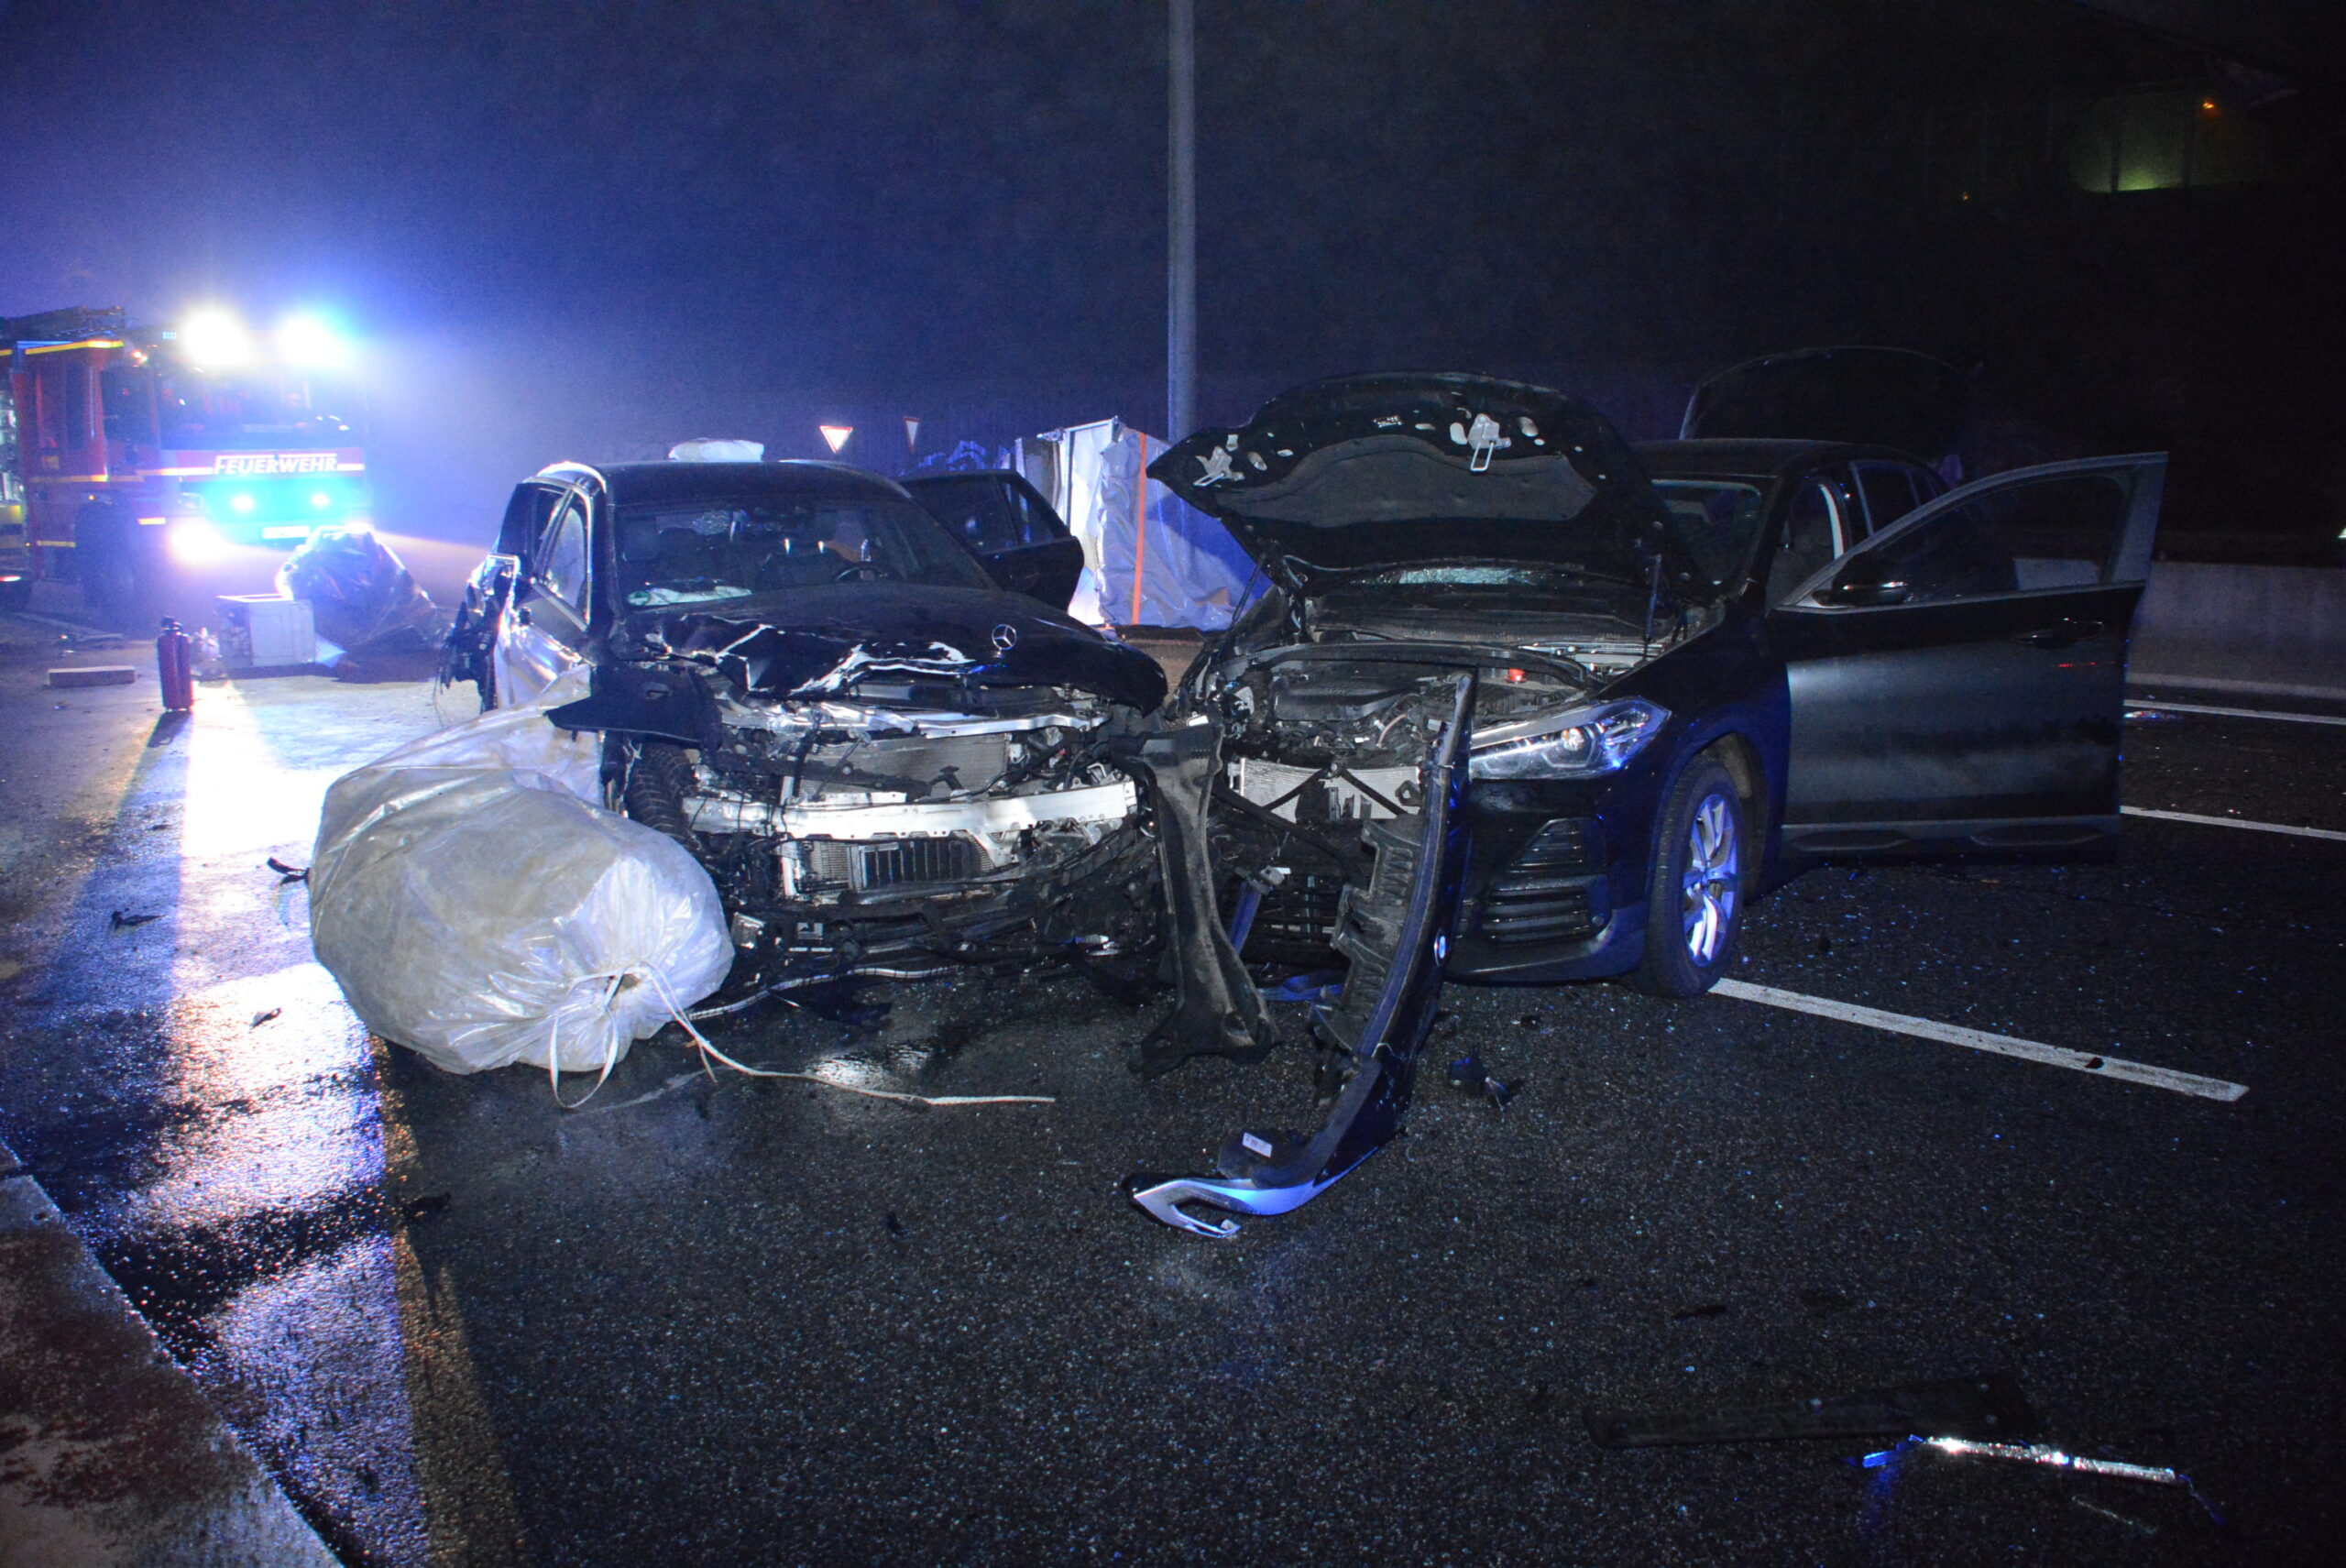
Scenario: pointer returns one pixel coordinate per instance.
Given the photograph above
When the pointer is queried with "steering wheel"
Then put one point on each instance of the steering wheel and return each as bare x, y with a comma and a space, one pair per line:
871, 569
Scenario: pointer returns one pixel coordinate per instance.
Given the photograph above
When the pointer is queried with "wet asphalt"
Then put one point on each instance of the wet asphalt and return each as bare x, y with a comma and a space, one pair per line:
720, 1320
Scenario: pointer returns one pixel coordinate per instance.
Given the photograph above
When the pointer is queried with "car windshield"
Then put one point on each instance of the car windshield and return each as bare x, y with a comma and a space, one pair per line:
703, 551
1716, 519
252, 412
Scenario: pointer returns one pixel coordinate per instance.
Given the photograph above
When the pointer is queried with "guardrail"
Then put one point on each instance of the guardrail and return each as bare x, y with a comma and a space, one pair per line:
2280, 629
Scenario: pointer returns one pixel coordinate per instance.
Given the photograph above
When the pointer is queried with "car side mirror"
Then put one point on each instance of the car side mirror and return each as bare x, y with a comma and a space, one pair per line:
1868, 582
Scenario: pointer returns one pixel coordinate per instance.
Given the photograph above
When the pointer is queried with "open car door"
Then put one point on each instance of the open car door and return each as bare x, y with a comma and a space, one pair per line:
549, 602
1956, 681
1011, 528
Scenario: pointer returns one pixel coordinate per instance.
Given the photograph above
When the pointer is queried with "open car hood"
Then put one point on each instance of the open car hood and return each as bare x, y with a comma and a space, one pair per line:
821, 641
1877, 397
1405, 468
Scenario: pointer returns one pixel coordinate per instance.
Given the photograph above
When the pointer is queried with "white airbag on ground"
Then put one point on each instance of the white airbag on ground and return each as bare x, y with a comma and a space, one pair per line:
477, 904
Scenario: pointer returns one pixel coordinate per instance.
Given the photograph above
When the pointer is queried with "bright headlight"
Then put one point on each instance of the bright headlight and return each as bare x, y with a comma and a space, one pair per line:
193, 541
1577, 742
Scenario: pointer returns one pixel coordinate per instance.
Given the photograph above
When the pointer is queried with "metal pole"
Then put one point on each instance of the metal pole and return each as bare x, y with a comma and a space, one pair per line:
1181, 214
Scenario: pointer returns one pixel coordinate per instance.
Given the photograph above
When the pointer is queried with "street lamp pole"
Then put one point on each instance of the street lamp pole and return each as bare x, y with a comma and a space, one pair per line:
1182, 302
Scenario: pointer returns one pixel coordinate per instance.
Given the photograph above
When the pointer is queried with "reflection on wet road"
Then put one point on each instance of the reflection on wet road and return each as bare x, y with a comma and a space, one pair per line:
196, 1096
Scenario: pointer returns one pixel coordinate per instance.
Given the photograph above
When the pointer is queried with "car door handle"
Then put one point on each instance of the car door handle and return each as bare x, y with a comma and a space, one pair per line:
2061, 634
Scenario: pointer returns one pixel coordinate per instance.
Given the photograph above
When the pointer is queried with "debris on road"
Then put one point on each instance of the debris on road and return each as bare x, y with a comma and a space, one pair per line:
92, 675
2046, 1454
122, 920
361, 593
260, 1018
286, 873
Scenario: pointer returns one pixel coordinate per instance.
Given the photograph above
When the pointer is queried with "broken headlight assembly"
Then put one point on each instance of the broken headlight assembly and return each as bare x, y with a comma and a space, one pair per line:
1577, 742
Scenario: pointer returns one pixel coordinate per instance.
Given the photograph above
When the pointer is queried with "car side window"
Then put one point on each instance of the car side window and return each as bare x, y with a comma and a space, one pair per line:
526, 516
2058, 532
1812, 537
1037, 524
564, 571
1888, 491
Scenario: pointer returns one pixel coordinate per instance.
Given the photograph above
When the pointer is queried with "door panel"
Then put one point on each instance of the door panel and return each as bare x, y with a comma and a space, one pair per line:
1956, 682
544, 627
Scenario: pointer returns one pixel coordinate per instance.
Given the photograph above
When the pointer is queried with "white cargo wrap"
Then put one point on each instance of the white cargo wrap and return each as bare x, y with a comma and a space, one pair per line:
477, 904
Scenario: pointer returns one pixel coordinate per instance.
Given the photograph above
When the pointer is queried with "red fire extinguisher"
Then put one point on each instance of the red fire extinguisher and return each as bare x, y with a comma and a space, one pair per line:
175, 667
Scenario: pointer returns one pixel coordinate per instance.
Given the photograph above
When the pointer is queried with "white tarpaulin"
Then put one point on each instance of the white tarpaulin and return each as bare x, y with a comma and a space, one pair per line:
1155, 559
475, 902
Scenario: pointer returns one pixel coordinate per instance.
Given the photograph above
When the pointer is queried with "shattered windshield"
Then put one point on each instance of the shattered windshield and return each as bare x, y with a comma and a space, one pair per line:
1716, 519
706, 551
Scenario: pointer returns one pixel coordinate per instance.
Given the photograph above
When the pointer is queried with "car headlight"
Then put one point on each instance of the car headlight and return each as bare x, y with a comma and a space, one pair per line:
1577, 742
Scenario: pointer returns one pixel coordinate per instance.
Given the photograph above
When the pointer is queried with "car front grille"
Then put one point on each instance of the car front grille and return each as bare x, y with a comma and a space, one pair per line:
881, 865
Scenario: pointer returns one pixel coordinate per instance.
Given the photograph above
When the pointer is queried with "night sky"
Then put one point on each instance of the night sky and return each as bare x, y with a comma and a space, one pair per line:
580, 230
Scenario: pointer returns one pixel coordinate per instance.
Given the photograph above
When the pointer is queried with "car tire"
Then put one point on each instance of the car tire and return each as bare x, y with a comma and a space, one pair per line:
1694, 896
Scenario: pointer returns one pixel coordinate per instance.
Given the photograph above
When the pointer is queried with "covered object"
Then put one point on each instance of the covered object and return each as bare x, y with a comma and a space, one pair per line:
1157, 560
476, 904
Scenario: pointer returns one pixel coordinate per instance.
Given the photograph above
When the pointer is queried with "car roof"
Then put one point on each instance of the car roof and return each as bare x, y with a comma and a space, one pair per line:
639, 484
1755, 458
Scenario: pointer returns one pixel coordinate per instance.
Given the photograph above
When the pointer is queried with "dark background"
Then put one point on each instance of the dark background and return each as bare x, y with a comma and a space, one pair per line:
583, 230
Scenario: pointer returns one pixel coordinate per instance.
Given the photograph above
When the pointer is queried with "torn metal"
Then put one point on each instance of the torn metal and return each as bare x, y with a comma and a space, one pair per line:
869, 804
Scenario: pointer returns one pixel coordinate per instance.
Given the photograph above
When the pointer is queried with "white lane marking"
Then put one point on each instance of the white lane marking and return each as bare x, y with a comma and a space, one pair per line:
2239, 712
1981, 1040
2234, 822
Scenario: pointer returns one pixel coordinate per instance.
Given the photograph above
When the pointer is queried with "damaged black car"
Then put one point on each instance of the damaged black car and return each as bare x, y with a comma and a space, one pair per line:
1510, 715
887, 760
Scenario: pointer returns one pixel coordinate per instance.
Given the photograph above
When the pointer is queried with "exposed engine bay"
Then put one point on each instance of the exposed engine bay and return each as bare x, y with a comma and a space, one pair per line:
883, 816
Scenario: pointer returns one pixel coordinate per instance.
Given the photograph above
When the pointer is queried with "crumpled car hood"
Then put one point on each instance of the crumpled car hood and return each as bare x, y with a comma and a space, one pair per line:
1393, 470
822, 641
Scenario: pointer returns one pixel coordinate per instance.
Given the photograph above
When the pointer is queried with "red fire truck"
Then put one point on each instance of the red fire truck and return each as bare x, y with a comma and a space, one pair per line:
135, 455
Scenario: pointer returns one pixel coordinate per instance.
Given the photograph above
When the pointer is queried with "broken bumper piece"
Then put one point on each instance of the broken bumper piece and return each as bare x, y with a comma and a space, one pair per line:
1395, 934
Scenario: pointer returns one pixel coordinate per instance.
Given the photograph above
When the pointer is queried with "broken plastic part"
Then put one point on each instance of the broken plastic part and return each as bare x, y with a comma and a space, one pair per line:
1381, 1037
2046, 1454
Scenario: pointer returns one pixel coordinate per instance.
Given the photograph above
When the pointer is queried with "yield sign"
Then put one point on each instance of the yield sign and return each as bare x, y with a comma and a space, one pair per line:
837, 436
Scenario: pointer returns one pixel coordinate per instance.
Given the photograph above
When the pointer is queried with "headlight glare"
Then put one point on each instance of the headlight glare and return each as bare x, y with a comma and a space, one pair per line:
1578, 742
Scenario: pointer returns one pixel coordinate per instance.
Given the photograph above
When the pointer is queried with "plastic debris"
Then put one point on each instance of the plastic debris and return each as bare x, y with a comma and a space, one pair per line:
2046, 1454
360, 593
125, 921
286, 873
1468, 1075
260, 1018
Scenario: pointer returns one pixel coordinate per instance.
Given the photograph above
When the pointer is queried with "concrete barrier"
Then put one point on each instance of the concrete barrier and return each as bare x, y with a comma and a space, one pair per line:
2276, 629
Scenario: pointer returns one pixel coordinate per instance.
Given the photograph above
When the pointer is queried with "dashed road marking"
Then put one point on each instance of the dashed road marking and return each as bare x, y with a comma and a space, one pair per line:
2234, 822
1981, 1040
2239, 712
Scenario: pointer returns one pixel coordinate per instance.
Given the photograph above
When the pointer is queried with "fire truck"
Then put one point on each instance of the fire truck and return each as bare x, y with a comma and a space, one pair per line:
131, 457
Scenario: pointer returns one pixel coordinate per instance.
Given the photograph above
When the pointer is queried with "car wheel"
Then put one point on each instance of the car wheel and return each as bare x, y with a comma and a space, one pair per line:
1694, 901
